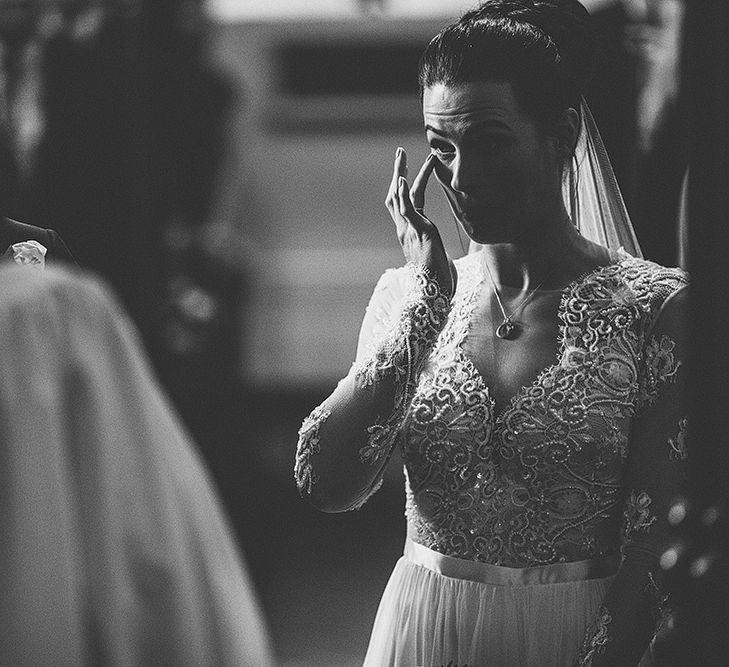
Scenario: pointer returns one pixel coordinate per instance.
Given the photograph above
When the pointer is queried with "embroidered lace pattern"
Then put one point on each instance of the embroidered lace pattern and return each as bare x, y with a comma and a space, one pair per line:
308, 444
661, 610
596, 638
660, 367
638, 516
679, 450
541, 482
401, 355
398, 351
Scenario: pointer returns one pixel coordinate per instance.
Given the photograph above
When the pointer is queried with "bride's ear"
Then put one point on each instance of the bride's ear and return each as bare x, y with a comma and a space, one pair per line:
568, 131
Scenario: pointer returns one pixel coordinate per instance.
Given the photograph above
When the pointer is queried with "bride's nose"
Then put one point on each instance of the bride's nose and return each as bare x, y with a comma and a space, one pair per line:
463, 174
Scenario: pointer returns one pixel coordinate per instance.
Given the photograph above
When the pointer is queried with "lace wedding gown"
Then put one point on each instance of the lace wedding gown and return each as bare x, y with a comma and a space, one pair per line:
533, 532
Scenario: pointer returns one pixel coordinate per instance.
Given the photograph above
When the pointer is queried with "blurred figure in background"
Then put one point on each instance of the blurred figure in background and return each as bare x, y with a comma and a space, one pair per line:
196, 336
654, 37
115, 547
639, 106
19, 105
116, 130
115, 127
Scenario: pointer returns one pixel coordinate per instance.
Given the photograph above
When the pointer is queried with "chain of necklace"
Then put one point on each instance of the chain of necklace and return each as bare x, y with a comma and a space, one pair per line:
508, 327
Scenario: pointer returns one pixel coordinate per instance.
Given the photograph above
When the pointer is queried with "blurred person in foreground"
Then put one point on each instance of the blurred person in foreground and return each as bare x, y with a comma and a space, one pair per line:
115, 548
534, 387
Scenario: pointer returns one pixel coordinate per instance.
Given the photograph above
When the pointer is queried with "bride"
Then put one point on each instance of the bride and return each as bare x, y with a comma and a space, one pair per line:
533, 387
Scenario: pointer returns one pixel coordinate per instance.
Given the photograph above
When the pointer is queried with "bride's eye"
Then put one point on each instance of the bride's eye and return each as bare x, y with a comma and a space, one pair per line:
443, 152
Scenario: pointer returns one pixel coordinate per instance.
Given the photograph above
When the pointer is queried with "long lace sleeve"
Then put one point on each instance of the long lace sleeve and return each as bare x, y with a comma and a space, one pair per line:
636, 603
345, 443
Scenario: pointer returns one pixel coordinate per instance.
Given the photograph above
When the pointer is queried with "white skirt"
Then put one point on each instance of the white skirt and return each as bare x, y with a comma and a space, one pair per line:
441, 611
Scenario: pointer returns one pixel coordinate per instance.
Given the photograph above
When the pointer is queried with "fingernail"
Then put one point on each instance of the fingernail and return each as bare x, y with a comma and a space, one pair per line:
398, 152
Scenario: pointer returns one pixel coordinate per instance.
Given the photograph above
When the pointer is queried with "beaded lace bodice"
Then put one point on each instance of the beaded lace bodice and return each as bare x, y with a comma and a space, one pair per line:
540, 482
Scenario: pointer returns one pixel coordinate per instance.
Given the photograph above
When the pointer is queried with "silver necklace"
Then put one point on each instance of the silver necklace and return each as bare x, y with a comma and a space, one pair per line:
508, 327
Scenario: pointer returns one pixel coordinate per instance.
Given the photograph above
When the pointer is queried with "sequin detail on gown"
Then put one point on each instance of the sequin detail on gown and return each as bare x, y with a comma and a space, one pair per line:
596, 638
679, 447
541, 482
308, 445
401, 354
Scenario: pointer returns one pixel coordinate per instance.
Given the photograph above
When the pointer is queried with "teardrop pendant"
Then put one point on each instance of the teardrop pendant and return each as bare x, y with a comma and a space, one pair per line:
505, 329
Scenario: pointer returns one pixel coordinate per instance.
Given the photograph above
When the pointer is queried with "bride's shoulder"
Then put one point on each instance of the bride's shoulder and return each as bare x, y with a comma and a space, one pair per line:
468, 263
652, 283
394, 281
390, 291
638, 268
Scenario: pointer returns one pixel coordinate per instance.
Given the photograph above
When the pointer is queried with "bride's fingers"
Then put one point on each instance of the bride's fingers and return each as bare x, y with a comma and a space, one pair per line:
399, 169
406, 209
417, 192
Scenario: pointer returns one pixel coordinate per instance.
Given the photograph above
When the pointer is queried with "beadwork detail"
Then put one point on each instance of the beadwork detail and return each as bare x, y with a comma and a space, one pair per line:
638, 516
308, 444
679, 449
661, 610
596, 638
401, 355
660, 367
540, 482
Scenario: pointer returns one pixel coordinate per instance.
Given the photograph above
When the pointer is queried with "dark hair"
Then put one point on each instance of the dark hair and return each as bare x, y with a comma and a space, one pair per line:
545, 48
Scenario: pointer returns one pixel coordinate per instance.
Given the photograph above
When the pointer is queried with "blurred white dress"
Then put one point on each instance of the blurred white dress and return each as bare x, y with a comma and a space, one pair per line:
115, 548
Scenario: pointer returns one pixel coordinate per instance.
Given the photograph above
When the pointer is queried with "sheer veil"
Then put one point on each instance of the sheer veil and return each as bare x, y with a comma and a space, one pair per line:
592, 195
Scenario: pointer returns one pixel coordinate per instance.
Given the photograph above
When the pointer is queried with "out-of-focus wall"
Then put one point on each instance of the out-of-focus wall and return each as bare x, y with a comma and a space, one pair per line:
316, 169
235, 10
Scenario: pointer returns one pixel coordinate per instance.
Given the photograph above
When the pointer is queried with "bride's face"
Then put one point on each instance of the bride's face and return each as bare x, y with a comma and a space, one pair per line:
500, 171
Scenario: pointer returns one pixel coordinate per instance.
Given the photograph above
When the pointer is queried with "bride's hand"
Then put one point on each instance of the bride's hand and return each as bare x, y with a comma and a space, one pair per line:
419, 237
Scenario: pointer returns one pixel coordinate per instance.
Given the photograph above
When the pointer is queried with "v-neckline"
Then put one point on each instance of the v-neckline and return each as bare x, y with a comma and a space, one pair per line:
475, 291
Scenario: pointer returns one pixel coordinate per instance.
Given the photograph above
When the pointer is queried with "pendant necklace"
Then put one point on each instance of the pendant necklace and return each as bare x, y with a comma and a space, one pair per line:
507, 328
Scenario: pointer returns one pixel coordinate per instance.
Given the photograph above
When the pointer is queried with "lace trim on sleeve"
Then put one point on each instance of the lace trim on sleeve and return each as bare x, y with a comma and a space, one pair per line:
358, 505
660, 367
596, 638
637, 518
308, 444
661, 608
401, 354
679, 449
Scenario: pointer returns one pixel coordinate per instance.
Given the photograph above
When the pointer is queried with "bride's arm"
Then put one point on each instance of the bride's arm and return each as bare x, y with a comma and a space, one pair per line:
636, 603
346, 442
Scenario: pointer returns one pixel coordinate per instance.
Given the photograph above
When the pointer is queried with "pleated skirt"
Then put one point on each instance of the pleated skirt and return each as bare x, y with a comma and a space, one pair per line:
440, 611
